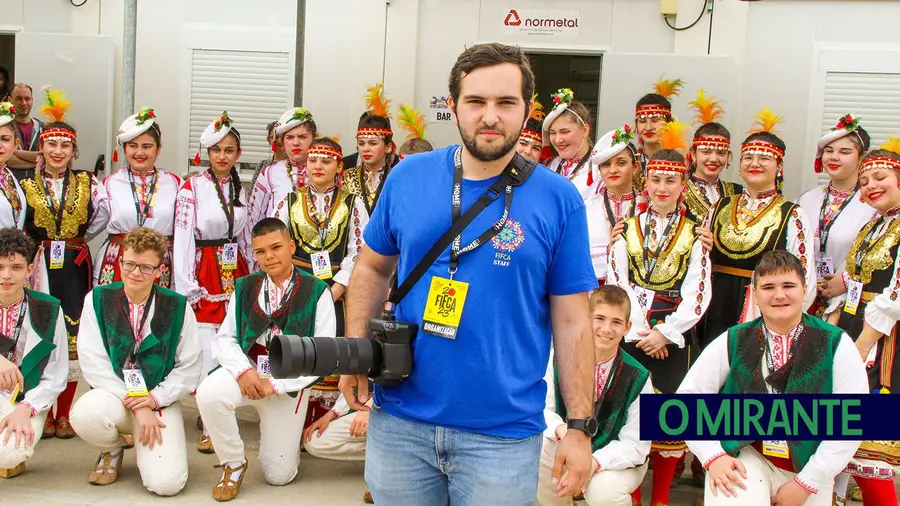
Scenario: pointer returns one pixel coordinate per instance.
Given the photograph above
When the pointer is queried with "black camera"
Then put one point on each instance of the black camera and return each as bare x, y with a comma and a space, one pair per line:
386, 357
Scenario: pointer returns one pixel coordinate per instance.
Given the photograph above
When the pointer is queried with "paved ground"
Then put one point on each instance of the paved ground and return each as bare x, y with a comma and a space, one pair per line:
57, 476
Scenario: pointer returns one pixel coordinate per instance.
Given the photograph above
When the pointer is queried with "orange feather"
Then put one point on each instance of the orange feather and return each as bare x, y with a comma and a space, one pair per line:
892, 144
672, 136
537, 109
766, 119
376, 104
668, 87
412, 121
707, 108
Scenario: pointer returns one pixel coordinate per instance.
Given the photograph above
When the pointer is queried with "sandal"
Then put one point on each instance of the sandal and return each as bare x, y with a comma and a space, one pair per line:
13, 471
127, 441
205, 445
105, 472
228, 488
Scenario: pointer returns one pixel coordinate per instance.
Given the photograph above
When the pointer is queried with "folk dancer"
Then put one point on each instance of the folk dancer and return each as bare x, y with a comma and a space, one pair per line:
365, 176
12, 199
567, 128
651, 113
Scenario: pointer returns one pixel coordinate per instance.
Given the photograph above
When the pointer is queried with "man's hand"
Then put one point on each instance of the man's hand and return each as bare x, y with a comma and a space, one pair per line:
355, 389
251, 385
19, 423
653, 343
832, 287
318, 427
135, 403
725, 474
706, 238
359, 427
790, 493
9, 376
150, 427
573, 454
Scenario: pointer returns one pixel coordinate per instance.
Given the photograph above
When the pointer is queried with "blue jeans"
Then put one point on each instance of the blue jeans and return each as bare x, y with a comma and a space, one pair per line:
411, 463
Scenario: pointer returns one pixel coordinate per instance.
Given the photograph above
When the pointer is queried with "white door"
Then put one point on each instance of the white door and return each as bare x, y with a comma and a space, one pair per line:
82, 67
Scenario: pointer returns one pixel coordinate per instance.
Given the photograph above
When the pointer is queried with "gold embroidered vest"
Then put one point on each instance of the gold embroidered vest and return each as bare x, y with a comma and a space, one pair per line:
741, 247
674, 258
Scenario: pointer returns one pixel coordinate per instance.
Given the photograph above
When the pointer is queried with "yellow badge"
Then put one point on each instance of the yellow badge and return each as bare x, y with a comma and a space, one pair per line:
776, 449
444, 307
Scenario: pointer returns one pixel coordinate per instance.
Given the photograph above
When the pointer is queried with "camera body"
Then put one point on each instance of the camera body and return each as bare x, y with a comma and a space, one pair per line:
386, 357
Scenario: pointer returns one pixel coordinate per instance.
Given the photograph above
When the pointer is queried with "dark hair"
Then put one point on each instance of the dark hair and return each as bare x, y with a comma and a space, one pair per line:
415, 145
612, 295
767, 137
880, 153
779, 261
267, 226
4, 73
860, 139
655, 99
712, 130
535, 125
331, 143
61, 125
235, 191
309, 124
487, 55
668, 155
368, 120
13, 241
270, 128
142, 239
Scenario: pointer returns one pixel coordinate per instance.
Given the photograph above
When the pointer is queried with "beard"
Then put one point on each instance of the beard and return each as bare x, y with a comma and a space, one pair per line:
485, 152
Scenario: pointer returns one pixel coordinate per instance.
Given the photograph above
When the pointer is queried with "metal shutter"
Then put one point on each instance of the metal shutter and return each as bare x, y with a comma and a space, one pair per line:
255, 89
875, 98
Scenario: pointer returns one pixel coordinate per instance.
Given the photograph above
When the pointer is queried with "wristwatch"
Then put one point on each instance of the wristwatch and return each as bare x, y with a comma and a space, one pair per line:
586, 425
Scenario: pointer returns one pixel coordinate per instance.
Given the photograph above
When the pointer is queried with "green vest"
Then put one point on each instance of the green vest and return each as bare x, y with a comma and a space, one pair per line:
627, 379
297, 317
156, 356
809, 371
43, 312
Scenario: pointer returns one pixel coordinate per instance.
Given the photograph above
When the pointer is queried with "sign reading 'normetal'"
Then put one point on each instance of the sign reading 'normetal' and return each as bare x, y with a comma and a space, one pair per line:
666, 417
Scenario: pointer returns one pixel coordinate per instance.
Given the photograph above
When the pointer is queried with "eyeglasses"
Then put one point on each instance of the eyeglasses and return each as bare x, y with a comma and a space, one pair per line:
129, 266
760, 159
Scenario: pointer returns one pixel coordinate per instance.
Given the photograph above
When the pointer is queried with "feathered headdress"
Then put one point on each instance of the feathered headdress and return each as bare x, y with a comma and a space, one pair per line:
892, 144
668, 87
707, 108
412, 121
55, 105
672, 135
537, 109
765, 121
376, 104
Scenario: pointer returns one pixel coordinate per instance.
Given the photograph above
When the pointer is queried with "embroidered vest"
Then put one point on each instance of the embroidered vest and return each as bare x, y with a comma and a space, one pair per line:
43, 312
808, 371
156, 356
674, 258
40, 220
877, 266
742, 248
698, 205
297, 317
353, 182
305, 233
623, 388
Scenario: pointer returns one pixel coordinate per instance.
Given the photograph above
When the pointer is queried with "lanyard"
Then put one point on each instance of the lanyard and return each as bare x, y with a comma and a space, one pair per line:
227, 208
11, 356
8, 184
142, 215
488, 234
581, 163
284, 298
322, 221
365, 188
299, 181
825, 228
613, 218
792, 338
139, 335
62, 200
650, 263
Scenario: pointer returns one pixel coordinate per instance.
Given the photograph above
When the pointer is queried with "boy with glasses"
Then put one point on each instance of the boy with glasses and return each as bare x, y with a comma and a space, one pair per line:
140, 353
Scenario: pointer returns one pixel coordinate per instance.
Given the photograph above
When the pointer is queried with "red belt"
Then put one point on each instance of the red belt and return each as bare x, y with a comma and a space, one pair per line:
75, 244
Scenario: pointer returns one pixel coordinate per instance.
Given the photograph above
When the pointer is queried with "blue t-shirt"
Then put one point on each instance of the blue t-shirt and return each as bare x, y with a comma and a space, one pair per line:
489, 379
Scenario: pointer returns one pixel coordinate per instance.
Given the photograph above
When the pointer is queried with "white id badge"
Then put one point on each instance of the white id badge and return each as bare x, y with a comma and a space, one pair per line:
854, 293
824, 267
262, 366
644, 298
321, 264
134, 382
229, 256
57, 254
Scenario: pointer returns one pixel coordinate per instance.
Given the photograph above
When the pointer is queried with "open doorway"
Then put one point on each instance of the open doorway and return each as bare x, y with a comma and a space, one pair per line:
579, 72
7, 63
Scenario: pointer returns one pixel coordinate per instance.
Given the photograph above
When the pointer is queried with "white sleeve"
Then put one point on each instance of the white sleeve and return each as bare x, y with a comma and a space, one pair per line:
354, 240
551, 417
185, 375
23, 204
184, 248
56, 372
341, 407
325, 326
831, 457
707, 376
100, 202
283, 212
242, 235
92, 355
230, 355
884, 310
256, 210
627, 450
694, 301
617, 274
801, 242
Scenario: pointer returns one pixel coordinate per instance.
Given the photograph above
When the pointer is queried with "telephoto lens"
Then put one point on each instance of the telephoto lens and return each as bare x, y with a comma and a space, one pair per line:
295, 356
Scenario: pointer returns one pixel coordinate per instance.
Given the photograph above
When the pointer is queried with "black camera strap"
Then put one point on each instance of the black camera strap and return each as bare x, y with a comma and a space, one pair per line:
516, 172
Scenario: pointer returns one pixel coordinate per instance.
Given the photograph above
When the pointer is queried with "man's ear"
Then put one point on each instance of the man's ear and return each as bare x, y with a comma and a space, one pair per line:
452, 104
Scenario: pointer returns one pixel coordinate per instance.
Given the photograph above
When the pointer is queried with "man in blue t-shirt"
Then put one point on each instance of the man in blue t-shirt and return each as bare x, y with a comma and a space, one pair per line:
465, 427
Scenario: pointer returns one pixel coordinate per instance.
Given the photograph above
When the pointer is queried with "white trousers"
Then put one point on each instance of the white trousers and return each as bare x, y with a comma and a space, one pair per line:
763, 481
336, 443
209, 346
10, 456
606, 488
100, 419
281, 421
